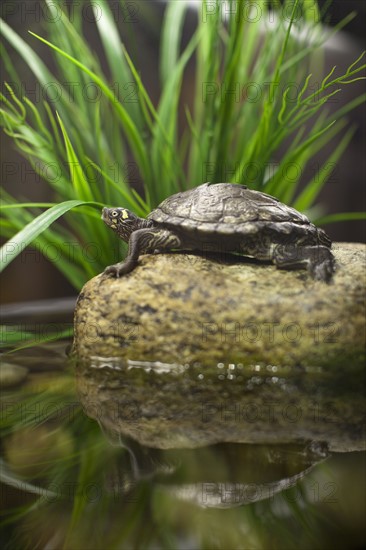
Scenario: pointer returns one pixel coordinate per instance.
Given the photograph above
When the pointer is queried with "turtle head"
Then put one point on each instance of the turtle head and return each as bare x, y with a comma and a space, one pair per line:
122, 221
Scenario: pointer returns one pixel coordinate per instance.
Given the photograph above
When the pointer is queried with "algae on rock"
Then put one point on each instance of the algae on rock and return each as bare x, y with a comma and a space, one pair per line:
185, 308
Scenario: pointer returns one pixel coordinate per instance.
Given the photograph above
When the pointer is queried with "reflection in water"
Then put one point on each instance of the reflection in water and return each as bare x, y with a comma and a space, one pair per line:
166, 405
214, 441
178, 416
218, 476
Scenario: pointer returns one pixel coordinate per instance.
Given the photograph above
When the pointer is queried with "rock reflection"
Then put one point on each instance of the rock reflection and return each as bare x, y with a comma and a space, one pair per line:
217, 442
163, 405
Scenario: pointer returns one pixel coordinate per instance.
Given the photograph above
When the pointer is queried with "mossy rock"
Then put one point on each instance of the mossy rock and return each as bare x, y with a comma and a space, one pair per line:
185, 308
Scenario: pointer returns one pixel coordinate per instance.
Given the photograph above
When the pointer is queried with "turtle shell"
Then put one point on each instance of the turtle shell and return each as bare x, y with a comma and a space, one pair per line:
231, 209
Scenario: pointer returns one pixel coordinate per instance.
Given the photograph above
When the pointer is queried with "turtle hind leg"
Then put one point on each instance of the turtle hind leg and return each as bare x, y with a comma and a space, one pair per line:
145, 240
318, 260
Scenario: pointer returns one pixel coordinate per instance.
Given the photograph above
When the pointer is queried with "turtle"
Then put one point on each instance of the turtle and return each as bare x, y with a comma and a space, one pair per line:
229, 218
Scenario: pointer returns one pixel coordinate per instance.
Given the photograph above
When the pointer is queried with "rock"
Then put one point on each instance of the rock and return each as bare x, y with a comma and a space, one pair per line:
187, 351
186, 309
12, 375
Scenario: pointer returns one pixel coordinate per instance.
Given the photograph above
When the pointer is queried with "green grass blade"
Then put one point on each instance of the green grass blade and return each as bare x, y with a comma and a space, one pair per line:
33, 60
33, 139
170, 39
63, 33
30, 339
78, 179
164, 154
278, 185
310, 9
132, 134
16, 245
146, 105
360, 100
133, 202
35, 63
205, 103
10, 335
270, 103
313, 188
114, 53
165, 162
341, 217
28, 205
226, 112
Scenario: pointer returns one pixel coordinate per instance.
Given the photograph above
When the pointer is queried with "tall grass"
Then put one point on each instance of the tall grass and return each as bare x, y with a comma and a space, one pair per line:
242, 112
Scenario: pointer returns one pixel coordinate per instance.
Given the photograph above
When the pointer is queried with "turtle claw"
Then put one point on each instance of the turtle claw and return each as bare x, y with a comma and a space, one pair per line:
111, 270
318, 260
117, 270
323, 271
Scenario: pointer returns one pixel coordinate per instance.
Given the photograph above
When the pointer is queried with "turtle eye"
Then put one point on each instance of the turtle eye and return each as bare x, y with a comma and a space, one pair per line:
114, 213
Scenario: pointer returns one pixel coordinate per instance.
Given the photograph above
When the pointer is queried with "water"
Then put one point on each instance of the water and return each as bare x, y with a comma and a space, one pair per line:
154, 455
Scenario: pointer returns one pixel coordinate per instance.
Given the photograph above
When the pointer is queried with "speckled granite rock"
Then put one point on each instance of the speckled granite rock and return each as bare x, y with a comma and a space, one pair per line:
180, 308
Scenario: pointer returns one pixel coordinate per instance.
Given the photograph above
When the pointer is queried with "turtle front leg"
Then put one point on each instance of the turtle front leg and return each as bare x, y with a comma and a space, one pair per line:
318, 260
142, 241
